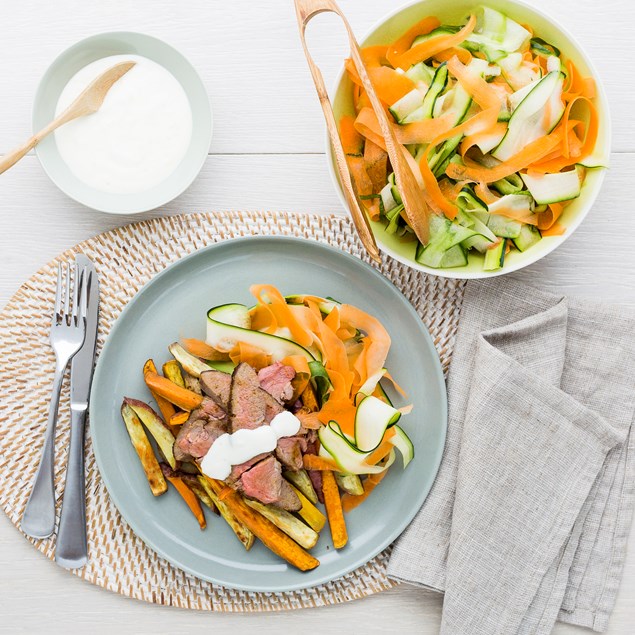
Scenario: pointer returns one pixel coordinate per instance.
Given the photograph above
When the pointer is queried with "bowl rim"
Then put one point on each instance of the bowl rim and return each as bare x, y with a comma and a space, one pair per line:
60, 60
455, 274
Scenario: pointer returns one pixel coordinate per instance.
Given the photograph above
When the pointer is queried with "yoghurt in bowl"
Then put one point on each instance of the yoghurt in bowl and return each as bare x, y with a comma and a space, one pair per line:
139, 135
148, 141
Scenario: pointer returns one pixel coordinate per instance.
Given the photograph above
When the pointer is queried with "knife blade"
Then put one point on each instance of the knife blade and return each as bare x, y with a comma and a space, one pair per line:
83, 363
71, 549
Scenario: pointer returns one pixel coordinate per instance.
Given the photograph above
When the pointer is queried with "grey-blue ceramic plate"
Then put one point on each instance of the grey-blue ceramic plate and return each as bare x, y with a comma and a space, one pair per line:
173, 305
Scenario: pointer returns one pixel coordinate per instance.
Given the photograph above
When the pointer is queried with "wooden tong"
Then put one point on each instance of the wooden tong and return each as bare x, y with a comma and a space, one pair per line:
415, 206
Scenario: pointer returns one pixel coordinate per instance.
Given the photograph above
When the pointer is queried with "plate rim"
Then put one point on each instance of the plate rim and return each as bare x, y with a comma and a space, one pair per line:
396, 530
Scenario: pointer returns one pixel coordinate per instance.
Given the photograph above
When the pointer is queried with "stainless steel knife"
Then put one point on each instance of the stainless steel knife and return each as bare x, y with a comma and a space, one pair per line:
71, 550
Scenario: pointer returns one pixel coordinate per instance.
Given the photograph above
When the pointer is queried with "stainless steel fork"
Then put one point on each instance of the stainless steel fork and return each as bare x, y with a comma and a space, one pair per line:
68, 330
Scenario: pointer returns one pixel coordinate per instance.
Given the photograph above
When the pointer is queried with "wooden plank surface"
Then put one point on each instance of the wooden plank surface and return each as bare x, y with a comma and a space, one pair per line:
267, 154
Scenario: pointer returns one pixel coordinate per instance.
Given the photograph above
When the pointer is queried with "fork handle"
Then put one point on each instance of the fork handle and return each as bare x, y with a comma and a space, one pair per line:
38, 520
71, 550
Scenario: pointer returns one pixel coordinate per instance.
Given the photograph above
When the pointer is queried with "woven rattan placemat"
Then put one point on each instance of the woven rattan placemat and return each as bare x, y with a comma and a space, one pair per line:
126, 258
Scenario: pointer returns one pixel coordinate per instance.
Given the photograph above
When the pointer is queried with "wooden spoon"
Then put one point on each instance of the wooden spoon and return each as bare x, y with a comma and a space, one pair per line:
87, 103
415, 206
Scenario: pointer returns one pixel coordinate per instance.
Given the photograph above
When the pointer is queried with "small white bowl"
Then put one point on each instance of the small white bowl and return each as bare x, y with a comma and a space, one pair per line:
124, 43
395, 24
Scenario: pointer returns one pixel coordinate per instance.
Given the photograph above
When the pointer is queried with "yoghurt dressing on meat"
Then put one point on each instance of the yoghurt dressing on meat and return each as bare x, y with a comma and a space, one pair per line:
245, 444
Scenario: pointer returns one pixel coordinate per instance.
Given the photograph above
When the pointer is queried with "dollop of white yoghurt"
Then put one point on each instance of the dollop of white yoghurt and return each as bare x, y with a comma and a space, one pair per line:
242, 445
138, 137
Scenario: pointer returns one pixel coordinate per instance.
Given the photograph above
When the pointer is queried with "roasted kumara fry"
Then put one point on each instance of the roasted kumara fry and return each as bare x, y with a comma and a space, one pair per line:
349, 483
181, 397
141, 444
302, 481
244, 534
313, 462
292, 526
192, 482
155, 426
311, 515
191, 364
179, 418
166, 408
172, 371
189, 497
333, 504
272, 537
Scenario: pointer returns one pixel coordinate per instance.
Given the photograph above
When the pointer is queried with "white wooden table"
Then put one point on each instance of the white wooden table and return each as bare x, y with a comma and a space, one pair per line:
267, 153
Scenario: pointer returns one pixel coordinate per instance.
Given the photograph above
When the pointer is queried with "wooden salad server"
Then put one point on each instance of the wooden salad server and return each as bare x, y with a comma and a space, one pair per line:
415, 206
88, 102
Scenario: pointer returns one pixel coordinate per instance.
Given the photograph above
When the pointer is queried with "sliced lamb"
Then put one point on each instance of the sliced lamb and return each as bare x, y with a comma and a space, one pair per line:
276, 380
289, 452
239, 470
288, 500
272, 407
264, 482
199, 432
247, 405
216, 385
213, 410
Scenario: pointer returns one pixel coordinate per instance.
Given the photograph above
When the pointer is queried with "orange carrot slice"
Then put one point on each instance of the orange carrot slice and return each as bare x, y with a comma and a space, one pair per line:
482, 93
431, 47
352, 141
529, 154
463, 54
401, 45
250, 354
484, 120
389, 85
201, 349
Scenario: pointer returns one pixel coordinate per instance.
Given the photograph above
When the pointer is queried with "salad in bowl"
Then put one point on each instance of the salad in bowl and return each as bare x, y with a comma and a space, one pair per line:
499, 126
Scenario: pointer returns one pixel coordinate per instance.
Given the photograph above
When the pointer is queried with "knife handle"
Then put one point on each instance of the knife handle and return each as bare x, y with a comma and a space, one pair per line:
71, 550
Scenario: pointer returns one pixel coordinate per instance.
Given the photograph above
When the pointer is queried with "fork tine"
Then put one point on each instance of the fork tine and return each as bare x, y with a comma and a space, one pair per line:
58, 295
67, 293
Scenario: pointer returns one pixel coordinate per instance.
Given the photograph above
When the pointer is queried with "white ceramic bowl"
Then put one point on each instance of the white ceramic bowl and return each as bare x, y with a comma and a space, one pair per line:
395, 24
124, 43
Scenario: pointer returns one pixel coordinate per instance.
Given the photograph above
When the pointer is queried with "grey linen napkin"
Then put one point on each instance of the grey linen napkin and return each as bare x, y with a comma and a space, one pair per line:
528, 519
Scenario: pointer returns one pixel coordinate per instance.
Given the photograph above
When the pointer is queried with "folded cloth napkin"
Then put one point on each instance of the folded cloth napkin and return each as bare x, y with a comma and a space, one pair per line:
528, 519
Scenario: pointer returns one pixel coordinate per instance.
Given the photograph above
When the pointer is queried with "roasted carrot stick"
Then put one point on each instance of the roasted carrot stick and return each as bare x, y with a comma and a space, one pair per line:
166, 408
181, 397
312, 462
190, 498
271, 536
334, 512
